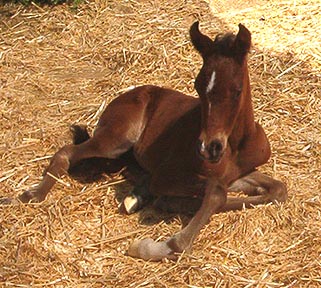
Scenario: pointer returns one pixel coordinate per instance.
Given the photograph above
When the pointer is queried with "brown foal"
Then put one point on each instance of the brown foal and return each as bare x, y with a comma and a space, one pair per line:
191, 148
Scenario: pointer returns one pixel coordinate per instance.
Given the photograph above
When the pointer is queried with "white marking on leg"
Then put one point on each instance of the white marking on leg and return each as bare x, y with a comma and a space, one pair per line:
211, 83
131, 203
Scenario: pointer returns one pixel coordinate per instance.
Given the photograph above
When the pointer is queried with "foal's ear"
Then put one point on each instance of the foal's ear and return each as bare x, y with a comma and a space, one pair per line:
242, 42
202, 43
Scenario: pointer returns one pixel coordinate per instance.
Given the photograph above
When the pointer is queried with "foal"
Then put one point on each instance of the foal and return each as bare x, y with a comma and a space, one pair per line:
191, 147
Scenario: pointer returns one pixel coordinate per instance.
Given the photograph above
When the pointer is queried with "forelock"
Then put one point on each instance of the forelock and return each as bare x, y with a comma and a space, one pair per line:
223, 44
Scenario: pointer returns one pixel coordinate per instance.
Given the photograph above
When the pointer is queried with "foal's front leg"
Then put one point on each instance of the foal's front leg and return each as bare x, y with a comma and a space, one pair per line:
148, 249
260, 188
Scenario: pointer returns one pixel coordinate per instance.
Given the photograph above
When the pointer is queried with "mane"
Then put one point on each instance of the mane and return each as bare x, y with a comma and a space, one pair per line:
223, 44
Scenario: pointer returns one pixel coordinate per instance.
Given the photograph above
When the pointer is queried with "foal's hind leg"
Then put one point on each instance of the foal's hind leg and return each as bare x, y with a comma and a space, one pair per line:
59, 165
119, 127
108, 142
65, 158
260, 188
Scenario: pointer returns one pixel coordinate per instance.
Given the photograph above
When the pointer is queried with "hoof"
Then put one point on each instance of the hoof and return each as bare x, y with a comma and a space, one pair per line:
132, 203
148, 249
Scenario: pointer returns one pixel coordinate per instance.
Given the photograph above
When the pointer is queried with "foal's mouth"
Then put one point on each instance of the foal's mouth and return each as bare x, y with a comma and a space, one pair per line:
212, 159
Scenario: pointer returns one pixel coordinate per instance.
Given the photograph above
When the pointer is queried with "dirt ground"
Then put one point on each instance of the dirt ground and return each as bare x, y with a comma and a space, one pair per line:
60, 66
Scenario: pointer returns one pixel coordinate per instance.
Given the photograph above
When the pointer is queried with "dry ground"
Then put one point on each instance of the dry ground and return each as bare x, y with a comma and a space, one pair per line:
60, 66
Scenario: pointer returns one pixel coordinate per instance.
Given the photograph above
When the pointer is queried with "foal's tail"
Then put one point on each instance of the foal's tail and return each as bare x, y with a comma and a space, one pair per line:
94, 169
79, 133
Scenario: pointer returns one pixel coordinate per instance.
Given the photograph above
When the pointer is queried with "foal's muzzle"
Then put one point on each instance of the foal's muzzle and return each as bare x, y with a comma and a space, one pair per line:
212, 152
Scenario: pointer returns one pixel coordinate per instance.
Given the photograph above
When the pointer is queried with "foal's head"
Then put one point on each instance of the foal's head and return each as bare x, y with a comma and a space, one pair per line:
222, 85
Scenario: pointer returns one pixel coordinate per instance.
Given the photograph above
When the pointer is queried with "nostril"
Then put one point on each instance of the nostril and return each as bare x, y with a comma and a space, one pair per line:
212, 151
216, 147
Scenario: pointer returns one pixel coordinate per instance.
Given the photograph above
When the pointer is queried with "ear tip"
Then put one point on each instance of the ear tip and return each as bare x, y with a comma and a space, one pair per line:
195, 25
243, 28
194, 28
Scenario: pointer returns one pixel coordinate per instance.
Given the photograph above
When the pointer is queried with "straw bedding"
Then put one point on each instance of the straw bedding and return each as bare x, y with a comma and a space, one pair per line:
60, 66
